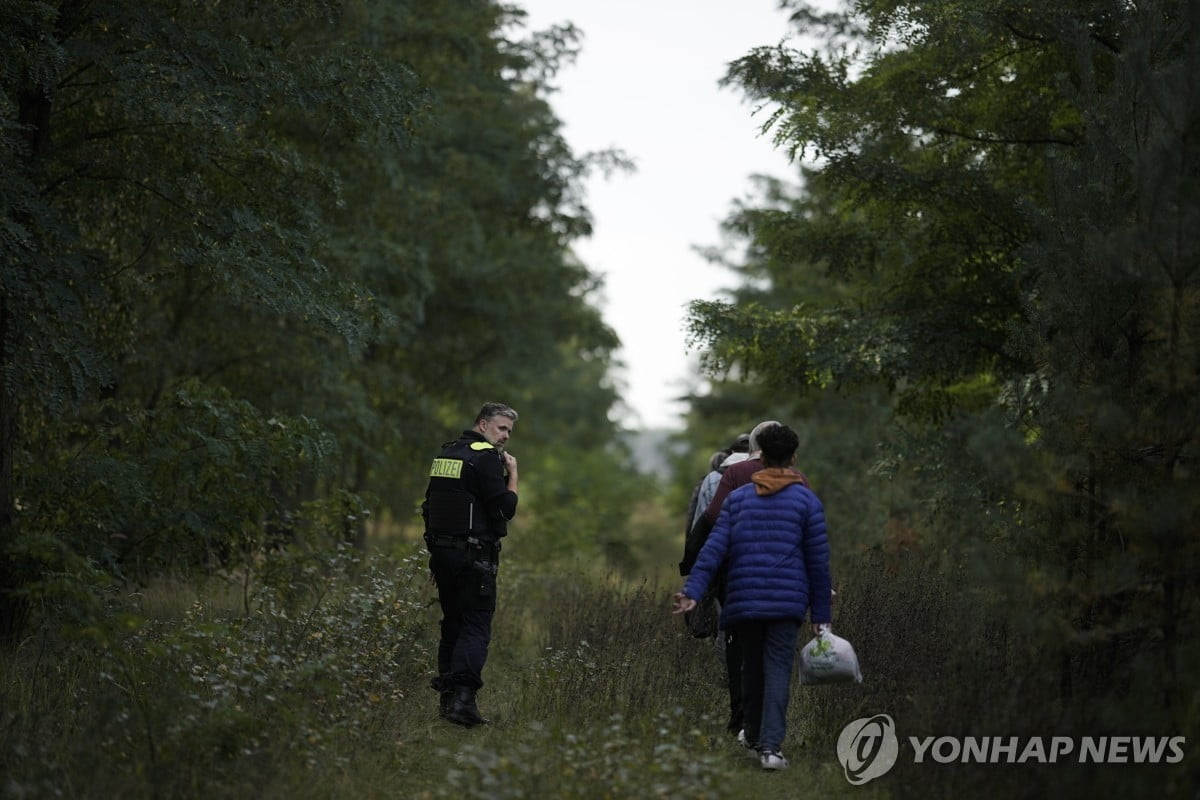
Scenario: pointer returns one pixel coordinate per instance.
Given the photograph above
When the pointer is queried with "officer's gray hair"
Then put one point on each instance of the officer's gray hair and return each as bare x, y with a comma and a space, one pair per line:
491, 410
759, 428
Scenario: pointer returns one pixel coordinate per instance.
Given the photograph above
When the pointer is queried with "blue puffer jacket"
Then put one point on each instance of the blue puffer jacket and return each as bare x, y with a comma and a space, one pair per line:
772, 531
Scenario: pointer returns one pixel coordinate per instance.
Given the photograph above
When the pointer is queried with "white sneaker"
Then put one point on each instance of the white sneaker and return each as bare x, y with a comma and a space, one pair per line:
772, 759
751, 749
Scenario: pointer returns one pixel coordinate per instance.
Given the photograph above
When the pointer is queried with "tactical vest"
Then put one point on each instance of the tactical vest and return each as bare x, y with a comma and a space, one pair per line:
453, 509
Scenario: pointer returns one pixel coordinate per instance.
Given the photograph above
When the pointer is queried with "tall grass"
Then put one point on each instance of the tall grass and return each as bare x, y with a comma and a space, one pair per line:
319, 688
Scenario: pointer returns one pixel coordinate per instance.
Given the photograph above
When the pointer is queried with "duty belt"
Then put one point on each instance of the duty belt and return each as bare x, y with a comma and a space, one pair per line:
459, 542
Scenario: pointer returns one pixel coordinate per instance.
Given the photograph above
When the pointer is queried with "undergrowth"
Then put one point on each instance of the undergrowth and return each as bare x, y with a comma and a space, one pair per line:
319, 687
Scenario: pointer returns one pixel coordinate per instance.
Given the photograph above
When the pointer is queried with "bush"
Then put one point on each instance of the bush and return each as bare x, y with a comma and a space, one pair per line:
193, 706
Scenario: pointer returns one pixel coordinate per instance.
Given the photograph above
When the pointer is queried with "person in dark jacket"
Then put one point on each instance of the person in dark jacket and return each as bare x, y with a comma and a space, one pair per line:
702, 623
772, 535
739, 475
472, 494
704, 491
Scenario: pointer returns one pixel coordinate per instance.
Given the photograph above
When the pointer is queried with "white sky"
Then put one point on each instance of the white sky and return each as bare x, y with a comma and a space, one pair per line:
645, 82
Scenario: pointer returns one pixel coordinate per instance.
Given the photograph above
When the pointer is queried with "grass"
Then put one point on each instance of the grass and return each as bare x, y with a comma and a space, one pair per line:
594, 691
321, 690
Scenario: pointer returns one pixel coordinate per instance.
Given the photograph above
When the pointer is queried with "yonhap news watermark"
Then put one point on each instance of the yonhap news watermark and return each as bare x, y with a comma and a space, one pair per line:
869, 747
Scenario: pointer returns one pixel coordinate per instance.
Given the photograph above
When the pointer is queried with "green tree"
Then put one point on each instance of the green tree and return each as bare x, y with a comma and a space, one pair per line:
254, 255
153, 188
1111, 410
928, 125
472, 228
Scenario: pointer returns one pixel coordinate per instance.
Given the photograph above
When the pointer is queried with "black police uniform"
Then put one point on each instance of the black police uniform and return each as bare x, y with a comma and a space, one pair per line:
467, 507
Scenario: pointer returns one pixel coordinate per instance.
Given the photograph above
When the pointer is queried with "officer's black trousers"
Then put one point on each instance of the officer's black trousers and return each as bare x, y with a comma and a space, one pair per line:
467, 596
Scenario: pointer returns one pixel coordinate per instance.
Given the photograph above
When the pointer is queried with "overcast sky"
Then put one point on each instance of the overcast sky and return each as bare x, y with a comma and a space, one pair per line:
645, 82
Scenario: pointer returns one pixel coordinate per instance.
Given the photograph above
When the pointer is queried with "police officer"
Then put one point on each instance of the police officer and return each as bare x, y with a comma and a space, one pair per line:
471, 497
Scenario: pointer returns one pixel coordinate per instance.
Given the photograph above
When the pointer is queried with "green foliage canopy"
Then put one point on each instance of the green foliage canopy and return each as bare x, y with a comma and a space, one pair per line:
260, 258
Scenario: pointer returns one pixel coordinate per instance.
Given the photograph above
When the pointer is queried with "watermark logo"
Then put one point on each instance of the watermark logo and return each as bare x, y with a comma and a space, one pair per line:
868, 748
1056, 749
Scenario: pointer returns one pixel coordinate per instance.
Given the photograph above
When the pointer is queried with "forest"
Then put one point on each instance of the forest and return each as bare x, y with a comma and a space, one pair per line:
259, 259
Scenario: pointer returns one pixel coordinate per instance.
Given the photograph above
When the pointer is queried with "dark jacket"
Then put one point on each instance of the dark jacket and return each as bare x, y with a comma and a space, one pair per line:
468, 492
734, 476
773, 535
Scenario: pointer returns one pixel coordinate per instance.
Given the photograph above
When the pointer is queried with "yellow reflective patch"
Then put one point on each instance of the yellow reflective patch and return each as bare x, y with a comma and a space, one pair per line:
481, 446
446, 468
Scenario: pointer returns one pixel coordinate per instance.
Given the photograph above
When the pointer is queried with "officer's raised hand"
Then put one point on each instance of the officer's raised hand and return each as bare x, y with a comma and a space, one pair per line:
510, 465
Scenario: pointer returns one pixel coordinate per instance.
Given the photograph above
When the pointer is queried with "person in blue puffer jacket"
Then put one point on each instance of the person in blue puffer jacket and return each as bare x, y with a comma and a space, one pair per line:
772, 534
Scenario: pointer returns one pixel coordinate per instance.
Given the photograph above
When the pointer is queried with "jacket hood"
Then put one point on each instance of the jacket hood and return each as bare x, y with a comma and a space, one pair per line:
772, 479
733, 458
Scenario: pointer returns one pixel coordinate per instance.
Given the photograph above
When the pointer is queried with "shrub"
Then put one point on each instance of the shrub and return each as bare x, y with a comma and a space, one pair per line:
194, 705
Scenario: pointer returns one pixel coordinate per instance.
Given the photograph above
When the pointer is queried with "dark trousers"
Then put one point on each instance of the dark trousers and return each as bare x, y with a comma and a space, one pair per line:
768, 648
733, 658
467, 596
733, 677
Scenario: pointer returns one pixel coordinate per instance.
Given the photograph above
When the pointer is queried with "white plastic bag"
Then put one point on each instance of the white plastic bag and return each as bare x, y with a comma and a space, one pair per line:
828, 659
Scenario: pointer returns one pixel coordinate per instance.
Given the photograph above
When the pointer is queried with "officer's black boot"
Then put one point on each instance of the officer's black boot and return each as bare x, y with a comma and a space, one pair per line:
441, 685
463, 710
